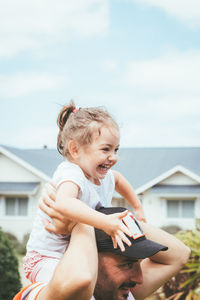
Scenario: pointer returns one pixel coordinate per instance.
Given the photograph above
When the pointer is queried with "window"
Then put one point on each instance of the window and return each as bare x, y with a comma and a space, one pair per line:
16, 206
180, 208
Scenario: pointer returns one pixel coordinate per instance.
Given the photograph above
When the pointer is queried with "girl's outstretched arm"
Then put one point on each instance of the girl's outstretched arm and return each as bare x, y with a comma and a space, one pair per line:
125, 189
77, 211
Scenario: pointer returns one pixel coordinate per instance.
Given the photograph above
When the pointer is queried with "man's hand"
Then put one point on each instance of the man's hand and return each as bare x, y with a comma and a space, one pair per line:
60, 224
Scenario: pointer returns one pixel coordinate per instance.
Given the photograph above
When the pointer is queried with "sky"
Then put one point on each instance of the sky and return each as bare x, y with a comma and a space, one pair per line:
139, 59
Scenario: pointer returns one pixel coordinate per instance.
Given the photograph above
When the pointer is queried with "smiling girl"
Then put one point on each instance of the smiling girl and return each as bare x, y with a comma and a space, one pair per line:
88, 140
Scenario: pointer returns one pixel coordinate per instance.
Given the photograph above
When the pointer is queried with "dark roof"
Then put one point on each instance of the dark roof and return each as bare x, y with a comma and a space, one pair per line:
141, 165
138, 165
45, 160
17, 187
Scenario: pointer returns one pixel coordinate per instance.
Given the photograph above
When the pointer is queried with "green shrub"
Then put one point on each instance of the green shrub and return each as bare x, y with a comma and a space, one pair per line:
20, 247
9, 275
186, 284
23, 244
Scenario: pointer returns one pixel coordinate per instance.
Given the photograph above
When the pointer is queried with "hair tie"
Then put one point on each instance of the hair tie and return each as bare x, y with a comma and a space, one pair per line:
75, 110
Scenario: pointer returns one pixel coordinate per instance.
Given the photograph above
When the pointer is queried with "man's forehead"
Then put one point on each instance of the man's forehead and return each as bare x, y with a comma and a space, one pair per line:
122, 258
118, 257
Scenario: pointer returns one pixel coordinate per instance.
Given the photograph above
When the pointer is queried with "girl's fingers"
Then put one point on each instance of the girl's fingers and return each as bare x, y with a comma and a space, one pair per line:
114, 242
123, 214
120, 243
125, 229
124, 238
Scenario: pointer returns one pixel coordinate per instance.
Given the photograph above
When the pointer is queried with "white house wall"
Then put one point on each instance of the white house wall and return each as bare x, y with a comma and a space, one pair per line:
152, 208
179, 178
11, 171
20, 225
155, 205
155, 209
16, 225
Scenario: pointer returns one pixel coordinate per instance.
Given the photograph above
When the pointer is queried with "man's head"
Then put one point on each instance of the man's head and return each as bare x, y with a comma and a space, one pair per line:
119, 271
117, 274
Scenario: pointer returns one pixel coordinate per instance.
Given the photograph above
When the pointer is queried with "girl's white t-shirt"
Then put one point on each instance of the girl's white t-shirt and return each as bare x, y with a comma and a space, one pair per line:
54, 245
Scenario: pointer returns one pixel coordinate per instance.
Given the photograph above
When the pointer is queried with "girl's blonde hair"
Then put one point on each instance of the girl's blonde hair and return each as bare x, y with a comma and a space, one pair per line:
80, 125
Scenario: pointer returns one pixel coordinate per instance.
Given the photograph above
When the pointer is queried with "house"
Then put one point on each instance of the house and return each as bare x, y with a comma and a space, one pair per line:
167, 180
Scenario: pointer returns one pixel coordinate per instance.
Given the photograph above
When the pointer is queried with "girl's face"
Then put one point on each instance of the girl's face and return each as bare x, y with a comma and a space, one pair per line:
98, 157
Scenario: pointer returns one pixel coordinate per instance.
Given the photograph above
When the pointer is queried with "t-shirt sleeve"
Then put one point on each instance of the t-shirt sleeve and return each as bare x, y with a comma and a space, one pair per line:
30, 292
69, 172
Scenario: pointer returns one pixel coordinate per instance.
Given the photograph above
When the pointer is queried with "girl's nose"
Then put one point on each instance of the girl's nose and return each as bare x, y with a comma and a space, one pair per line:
113, 157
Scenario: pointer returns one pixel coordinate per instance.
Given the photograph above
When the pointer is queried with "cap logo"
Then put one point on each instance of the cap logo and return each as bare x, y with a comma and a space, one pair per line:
129, 221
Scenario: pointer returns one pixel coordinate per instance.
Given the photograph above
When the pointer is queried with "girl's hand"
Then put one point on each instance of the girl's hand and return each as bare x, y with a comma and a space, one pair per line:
139, 214
117, 229
60, 224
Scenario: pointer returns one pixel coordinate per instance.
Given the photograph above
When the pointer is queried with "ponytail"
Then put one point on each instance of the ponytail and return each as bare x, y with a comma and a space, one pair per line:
64, 114
61, 121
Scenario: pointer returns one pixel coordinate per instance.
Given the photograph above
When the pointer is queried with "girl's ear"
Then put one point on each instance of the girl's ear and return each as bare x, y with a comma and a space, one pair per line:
73, 148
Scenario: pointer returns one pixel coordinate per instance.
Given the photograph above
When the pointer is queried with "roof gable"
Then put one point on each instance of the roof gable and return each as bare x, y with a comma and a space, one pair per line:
142, 166
24, 163
167, 174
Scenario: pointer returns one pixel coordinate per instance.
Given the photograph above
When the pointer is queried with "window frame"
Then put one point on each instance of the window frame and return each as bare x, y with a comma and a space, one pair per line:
180, 207
16, 206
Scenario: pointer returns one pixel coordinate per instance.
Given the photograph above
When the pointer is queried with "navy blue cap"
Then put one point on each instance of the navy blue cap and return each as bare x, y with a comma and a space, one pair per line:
140, 247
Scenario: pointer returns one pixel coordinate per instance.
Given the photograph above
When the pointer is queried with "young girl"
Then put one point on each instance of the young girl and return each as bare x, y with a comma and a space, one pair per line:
89, 141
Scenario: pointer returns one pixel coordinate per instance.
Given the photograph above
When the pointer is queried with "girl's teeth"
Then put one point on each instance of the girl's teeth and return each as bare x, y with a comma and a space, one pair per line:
103, 166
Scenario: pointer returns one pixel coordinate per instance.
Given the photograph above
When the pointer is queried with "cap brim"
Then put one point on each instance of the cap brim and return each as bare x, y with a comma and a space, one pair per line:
143, 249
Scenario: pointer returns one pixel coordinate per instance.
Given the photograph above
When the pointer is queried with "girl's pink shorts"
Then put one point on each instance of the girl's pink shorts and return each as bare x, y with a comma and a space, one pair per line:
39, 268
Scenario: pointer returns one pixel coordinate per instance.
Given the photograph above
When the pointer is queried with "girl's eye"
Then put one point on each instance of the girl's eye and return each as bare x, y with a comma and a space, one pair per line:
106, 149
116, 150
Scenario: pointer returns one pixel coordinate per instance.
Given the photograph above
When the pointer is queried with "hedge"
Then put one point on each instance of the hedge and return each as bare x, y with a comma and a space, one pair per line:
10, 282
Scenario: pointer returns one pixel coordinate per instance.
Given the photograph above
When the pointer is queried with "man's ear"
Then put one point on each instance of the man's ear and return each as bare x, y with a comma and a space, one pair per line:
73, 148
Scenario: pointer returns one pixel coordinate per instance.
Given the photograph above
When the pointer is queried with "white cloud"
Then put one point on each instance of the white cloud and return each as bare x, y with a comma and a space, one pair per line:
174, 73
34, 23
23, 84
110, 65
149, 120
157, 135
166, 122
185, 10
